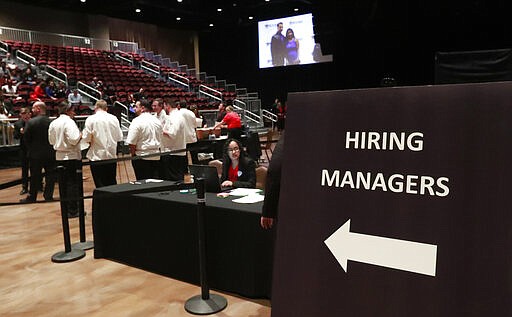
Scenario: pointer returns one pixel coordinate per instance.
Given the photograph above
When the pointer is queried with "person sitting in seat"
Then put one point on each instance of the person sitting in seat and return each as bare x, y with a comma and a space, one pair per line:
29, 76
9, 92
39, 91
238, 169
75, 99
50, 90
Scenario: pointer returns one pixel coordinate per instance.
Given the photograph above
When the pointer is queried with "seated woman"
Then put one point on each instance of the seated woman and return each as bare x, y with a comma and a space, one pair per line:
238, 169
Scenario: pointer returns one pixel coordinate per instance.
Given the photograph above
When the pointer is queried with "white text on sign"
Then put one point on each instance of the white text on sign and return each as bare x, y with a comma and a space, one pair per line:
384, 141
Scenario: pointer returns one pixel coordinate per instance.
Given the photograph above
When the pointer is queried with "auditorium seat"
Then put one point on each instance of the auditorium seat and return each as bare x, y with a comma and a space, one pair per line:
82, 64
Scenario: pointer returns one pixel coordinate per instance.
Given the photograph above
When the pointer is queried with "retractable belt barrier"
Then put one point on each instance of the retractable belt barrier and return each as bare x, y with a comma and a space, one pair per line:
82, 197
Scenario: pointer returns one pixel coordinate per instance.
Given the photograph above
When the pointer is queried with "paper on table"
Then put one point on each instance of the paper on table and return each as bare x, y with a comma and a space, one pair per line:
152, 180
249, 199
244, 191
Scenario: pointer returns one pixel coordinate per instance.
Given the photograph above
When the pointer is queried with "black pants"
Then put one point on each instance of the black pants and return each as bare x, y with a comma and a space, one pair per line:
36, 177
69, 188
192, 148
145, 169
24, 168
104, 174
235, 133
173, 167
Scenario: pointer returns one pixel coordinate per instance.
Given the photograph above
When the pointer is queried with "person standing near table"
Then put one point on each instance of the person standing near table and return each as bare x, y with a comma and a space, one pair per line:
233, 122
65, 136
190, 131
272, 187
222, 112
158, 109
102, 131
19, 131
144, 138
173, 165
190, 122
40, 154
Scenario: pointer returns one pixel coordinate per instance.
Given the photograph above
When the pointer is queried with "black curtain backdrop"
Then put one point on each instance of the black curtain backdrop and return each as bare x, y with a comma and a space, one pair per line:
370, 40
473, 67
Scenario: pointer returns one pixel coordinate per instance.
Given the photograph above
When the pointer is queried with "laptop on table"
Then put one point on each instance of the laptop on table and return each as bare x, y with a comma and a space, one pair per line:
211, 178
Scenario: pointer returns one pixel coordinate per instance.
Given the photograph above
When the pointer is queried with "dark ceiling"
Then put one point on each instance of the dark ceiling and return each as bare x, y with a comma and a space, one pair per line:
193, 14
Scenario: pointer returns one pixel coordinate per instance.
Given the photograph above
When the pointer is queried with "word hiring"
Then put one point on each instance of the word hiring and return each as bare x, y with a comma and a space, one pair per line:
384, 141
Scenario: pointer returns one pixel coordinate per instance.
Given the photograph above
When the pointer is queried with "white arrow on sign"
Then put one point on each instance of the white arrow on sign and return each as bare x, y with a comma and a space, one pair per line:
396, 254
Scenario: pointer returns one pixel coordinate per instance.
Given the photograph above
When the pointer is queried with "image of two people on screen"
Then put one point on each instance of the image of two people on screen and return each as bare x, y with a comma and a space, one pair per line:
284, 49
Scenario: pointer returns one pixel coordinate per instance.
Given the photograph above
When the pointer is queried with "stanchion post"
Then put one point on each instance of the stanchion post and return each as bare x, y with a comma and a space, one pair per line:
83, 244
69, 254
206, 303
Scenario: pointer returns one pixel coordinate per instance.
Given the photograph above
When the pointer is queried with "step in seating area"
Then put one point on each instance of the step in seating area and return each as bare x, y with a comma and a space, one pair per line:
177, 74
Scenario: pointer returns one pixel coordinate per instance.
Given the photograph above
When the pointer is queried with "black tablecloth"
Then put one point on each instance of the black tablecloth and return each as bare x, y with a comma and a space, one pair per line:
158, 232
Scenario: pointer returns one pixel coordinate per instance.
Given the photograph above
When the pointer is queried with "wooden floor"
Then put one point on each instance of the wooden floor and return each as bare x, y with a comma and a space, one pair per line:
32, 285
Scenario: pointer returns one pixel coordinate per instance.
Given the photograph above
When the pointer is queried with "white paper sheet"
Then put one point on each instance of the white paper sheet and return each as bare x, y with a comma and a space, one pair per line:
244, 191
249, 199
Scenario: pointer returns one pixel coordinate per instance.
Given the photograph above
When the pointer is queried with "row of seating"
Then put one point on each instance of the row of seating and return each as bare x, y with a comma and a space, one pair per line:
82, 64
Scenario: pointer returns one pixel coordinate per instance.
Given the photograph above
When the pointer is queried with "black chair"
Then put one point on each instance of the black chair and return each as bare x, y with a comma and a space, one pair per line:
253, 146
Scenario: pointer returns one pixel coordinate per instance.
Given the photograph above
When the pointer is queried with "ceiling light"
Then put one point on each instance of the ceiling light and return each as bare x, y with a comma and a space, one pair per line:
296, 9
267, 0
250, 18
138, 10
211, 24
219, 10
178, 19
180, 0
83, 1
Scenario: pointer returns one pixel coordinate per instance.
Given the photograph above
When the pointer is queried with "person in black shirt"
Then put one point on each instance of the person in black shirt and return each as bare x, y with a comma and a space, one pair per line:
278, 46
19, 131
272, 187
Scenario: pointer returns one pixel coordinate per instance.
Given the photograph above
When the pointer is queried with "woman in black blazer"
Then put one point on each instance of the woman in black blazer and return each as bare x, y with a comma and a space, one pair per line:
238, 169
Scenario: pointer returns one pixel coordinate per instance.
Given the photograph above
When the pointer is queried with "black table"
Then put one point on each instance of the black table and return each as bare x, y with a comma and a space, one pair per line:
158, 232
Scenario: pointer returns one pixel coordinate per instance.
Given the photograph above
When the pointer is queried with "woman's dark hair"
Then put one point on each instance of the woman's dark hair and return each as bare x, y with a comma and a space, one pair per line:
288, 30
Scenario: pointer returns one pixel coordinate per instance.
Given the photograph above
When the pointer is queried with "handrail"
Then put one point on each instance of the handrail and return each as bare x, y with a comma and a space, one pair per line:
155, 71
58, 72
87, 87
4, 46
269, 115
246, 113
124, 115
244, 105
186, 83
253, 114
209, 88
212, 96
128, 60
29, 58
17, 34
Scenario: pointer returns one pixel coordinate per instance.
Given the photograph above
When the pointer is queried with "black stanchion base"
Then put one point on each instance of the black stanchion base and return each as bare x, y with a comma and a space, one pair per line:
198, 306
73, 255
87, 245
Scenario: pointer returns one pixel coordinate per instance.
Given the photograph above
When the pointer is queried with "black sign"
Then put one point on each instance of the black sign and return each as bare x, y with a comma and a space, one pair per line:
396, 202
